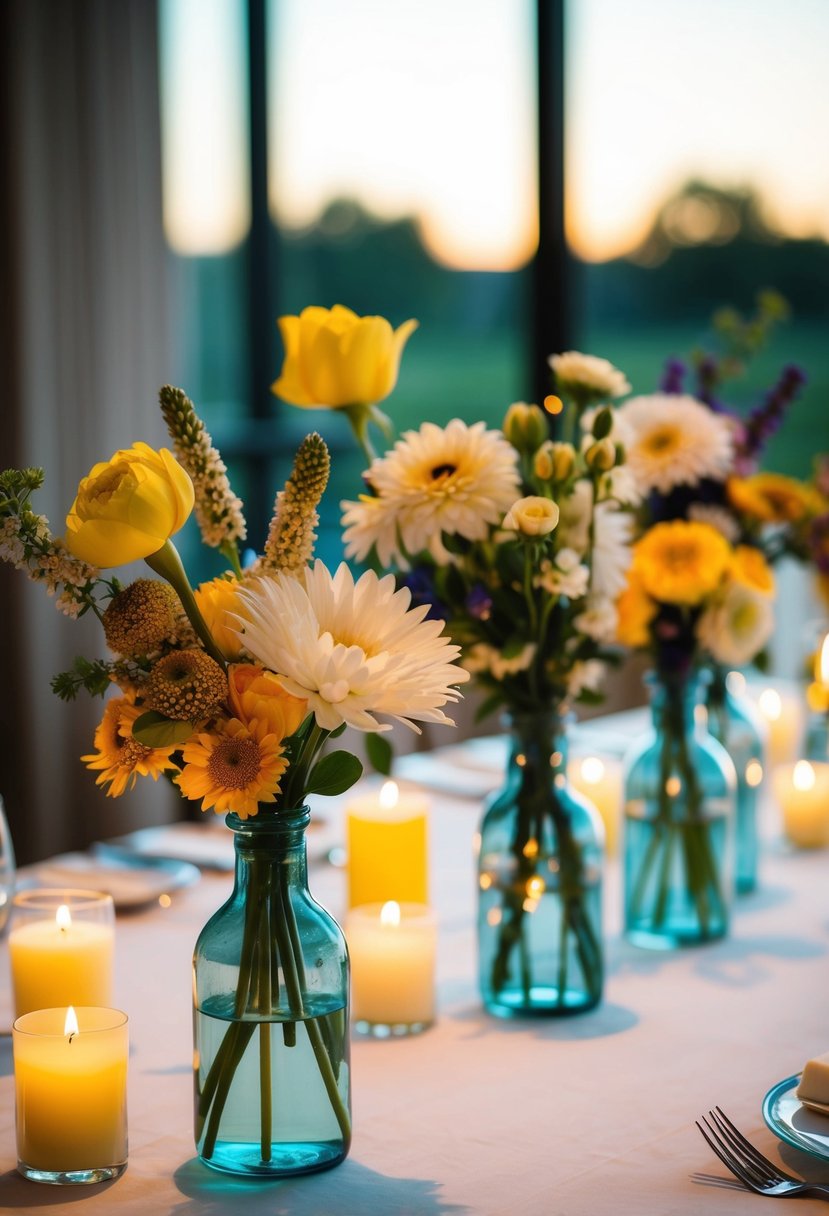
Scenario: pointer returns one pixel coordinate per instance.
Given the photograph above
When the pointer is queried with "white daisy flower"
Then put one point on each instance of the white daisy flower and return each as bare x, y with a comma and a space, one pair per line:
675, 440
352, 649
587, 376
452, 481
737, 626
568, 576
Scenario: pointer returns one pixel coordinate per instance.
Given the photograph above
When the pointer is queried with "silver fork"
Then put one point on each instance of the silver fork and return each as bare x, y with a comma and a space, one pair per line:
748, 1164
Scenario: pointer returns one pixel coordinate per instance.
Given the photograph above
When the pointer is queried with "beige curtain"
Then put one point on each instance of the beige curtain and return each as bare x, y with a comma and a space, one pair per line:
84, 350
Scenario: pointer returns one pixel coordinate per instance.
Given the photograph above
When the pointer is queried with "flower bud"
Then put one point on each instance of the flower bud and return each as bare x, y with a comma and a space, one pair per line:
532, 516
601, 456
543, 466
564, 460
525, 427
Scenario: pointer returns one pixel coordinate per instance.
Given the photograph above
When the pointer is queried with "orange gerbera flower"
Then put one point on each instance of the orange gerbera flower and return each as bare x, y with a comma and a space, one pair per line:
120, 758
233, 768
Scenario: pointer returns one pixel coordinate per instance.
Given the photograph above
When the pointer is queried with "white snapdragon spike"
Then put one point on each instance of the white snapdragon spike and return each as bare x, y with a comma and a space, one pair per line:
675, 440
574, 371
737, 626
436, 482
353, 649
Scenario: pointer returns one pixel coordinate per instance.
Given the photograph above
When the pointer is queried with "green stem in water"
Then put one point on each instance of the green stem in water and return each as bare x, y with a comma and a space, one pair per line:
166, 562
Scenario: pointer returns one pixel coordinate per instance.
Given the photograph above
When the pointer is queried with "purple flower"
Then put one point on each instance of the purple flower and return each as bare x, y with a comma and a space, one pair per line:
478, 603
673, 376
765, 420
422, 589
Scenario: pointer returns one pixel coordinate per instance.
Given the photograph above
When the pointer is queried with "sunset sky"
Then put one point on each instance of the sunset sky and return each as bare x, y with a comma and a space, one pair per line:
425, 107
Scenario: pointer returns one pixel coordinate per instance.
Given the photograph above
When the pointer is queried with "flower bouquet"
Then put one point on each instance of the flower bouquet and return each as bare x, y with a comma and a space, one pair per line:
519, 544
233, 691
699, 601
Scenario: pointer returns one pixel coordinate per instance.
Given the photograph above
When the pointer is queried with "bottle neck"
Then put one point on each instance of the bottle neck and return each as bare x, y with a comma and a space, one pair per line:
677, 701
538, 741
269, 840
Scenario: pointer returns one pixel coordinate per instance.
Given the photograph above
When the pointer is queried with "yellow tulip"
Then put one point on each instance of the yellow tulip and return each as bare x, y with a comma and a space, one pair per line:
128, 507
257, 695
335, 358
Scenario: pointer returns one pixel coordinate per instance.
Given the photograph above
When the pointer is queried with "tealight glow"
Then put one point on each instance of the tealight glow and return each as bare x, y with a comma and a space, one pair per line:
599, 779
392, 950
802, 792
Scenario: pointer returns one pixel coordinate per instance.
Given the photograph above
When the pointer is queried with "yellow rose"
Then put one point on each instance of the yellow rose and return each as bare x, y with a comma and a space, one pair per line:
215, 599
335, 358
257, 695
128, 507
532, 516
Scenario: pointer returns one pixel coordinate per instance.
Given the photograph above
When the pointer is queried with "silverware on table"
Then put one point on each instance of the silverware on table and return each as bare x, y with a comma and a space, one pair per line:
748, 1164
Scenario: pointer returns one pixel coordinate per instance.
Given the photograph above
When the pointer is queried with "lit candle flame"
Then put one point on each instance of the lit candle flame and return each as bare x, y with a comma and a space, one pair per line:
803, 777
390, 913
70, 1026
822, 673
770, 705
592, 770
389, 794
63, 918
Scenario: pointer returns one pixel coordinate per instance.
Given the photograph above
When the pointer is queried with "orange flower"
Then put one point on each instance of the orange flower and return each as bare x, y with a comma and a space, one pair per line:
681, 563
773, 498
232, 768
256, 695
215, 599
636, 610
749, 566
120, 758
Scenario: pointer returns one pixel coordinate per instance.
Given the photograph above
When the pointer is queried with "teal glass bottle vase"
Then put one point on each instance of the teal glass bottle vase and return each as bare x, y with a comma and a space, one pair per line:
270, 986
733, 722
540, 882
680, 791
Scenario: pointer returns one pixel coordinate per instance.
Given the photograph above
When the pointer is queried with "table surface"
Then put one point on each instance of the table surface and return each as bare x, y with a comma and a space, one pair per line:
592, 1114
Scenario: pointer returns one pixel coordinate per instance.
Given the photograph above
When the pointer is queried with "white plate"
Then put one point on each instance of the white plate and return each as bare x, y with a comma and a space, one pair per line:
789, 1119
131, 884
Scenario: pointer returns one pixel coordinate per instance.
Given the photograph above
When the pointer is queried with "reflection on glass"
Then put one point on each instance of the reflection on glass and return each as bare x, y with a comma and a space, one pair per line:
8, 869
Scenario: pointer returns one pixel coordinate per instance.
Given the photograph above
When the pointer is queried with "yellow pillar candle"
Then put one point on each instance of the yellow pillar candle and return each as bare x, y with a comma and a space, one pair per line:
802, 792
392, 951
70, 1072
783, 713
58, 957
387, 846
600, 781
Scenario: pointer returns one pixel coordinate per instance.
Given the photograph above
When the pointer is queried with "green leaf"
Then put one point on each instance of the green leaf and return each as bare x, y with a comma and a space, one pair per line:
154, 730
380, 753
334, 774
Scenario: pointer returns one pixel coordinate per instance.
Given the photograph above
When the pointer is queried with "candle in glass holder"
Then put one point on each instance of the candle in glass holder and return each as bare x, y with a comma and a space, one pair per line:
392, 951
802, 792
70, 1074
600, 780
387, 846
782, 712
61, 949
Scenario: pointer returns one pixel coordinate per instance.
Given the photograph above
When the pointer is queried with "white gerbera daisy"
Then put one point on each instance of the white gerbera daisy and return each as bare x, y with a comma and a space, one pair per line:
675, 440
453, 481
735, 628
352, 649
587, 377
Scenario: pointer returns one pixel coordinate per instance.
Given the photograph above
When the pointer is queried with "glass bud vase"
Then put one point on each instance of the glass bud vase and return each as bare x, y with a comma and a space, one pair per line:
270, 972
540, 882
733, 723
680, 788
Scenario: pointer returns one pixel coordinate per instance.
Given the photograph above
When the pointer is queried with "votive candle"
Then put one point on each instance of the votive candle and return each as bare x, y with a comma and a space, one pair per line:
61, 948
392, 949
802, 793
70, 1072
387, 846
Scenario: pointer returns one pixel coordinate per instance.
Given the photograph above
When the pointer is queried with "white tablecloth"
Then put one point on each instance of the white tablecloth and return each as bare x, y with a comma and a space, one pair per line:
588, 1115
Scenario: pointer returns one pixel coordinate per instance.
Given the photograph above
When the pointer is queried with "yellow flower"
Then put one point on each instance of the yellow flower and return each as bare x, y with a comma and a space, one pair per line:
532, 516
749, 567
128, 507
256, 695
215, 599
681, 563
232, 768
635, 610
335, 358
119, 757
773, 498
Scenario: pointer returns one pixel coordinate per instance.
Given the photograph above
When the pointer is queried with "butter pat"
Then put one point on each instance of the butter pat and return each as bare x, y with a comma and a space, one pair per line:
813, 1090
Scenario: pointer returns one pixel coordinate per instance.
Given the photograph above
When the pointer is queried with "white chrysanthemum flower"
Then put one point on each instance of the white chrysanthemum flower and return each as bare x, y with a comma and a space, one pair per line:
675, 441
599, 620
454, 481
612, 535
737, 626
352, 649
579, 374
484, 658
716, 517
371, 523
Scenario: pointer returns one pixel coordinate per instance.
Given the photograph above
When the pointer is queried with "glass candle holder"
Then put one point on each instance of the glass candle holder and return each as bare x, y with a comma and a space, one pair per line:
392, 951
70, 1075
61, 948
